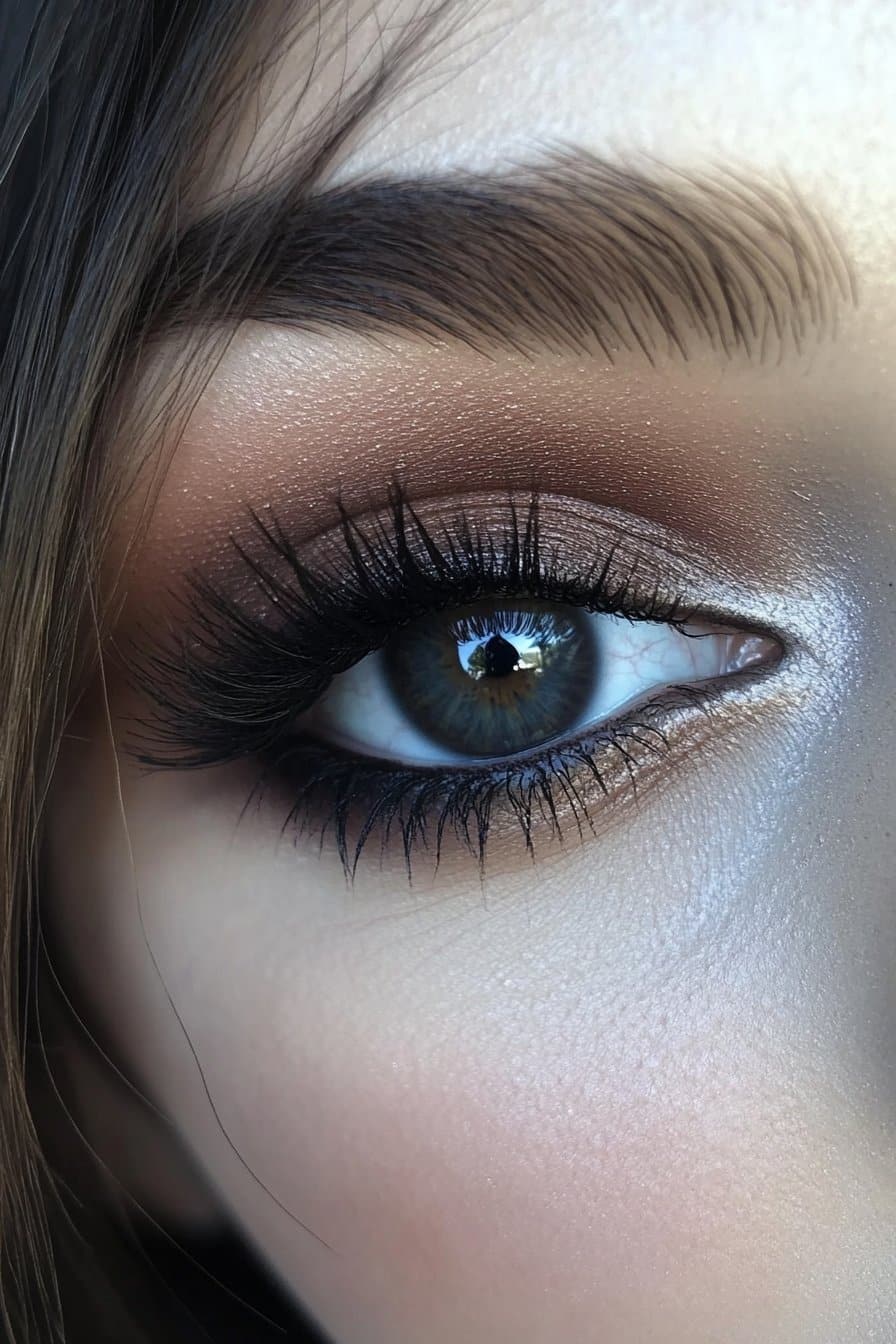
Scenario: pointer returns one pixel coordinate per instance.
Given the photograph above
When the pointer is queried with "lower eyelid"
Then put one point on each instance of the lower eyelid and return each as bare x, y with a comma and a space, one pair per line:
571, 789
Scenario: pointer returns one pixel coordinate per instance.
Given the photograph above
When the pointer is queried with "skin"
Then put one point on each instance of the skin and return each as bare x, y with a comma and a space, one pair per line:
643, 1089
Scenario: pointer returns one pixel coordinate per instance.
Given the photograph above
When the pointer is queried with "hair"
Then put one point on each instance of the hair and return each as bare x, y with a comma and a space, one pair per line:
110, 114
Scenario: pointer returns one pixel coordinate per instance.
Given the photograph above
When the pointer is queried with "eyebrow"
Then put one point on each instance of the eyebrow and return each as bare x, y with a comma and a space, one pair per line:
573, 254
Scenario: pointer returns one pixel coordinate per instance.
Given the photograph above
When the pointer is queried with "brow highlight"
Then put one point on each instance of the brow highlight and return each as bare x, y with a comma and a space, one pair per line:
570, 255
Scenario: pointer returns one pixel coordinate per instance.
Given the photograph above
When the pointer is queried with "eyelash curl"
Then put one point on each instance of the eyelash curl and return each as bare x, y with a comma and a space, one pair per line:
232, 687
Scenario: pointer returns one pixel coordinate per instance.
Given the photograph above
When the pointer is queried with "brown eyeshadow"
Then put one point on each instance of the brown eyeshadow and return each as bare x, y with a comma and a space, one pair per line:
295, 429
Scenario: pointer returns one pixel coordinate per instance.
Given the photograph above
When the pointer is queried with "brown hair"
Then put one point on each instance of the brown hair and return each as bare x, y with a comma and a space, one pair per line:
109, 113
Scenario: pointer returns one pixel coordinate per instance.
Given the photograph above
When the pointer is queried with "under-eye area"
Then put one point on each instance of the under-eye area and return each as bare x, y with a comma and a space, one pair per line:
449, 670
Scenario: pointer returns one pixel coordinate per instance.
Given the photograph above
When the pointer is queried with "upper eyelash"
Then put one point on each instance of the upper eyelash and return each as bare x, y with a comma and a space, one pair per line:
233, 684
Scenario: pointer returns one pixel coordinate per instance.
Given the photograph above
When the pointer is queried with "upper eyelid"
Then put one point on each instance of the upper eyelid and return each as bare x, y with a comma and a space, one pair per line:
662, 554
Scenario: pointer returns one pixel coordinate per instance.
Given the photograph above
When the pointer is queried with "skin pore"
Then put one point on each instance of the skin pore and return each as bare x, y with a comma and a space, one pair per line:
642, 1086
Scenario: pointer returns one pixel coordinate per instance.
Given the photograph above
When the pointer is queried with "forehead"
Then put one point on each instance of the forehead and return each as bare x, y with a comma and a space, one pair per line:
805, 86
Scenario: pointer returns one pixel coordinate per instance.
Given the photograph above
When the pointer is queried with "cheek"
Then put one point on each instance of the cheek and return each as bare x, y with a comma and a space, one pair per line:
576, 1100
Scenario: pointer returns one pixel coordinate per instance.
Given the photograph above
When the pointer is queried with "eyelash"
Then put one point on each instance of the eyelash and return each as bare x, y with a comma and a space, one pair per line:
231, 688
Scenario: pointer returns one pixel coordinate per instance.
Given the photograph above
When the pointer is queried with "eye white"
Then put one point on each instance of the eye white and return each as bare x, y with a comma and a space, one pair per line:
359, 711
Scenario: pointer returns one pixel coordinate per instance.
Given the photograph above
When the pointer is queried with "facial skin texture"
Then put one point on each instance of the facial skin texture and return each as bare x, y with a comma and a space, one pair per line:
643, 1089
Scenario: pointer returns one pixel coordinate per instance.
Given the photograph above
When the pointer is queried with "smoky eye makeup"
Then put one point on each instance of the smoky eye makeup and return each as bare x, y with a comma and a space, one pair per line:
442, 672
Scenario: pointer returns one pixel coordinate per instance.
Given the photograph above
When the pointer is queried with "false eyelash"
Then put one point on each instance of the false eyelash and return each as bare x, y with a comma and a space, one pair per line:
232, 686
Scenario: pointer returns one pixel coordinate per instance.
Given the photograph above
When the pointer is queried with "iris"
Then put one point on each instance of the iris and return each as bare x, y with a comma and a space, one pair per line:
495, 678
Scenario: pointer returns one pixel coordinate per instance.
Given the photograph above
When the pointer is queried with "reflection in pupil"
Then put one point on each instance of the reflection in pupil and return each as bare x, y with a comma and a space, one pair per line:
497, 657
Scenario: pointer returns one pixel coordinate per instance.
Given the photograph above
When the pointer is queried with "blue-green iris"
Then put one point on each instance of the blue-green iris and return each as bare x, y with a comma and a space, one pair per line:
496, 678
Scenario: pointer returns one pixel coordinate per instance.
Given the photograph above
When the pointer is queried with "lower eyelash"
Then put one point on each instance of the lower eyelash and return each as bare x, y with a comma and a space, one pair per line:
355, 800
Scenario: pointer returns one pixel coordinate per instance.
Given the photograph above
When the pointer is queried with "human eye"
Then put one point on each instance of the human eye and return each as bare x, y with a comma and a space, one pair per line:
502, 678
439, 672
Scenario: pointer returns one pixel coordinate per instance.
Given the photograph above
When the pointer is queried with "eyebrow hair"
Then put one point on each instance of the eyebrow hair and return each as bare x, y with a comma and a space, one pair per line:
572, 254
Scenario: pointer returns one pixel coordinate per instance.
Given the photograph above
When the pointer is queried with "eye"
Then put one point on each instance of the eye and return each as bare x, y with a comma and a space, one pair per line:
426, 673
498, 679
